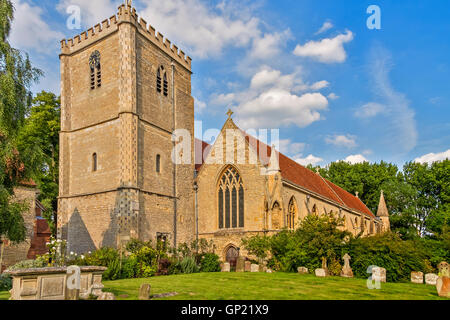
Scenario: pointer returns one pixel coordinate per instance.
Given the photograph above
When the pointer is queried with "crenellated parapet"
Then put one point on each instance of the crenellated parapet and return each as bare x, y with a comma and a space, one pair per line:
125, 14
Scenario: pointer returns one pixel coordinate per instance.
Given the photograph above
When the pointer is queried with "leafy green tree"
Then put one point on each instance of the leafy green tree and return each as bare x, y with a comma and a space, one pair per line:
38, 140
16, 78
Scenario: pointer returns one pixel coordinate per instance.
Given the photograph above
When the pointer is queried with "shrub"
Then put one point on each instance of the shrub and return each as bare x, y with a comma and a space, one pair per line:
188, 265
5, 282
102, 257
29, 264
130, 268
209, 262
164, 265
113, 272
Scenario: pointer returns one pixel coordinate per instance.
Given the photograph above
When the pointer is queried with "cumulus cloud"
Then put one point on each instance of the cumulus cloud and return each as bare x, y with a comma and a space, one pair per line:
30, 31
370, 110
357, 158
325, 27
328, 50
269, 45
333, 96
433, 157
290, 148
347, 141
313, 160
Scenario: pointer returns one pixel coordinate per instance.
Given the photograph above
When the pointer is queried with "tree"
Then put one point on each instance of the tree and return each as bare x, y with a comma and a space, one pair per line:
16, 77
38, 141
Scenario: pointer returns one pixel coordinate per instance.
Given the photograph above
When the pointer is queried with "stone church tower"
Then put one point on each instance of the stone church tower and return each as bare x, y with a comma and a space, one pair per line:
124, 91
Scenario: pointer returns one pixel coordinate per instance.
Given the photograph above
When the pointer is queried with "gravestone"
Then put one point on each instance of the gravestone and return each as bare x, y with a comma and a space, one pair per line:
226, 267
240, 264
443, 286
379, 273
144, 291
320, 272
431, 278
302, 270
324, 265
444, 269
106, 296
347, 271
269, 271
417, 277
248, 266
254, 268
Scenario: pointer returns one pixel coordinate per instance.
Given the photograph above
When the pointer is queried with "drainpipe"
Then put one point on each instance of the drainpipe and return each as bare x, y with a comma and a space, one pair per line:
174, 164
196, 213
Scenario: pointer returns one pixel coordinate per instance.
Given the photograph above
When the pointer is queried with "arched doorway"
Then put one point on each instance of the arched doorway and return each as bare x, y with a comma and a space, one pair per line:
232, 256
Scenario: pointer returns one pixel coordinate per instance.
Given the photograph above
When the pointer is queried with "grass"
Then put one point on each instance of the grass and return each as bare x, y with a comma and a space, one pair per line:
264, 286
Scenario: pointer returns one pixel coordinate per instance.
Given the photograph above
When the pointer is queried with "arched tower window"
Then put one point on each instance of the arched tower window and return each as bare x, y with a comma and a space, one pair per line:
94, 162
96, 73
230, 200
292, 213
162, 84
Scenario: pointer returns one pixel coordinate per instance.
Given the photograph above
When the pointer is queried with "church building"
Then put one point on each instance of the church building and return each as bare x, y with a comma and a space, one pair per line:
125, 92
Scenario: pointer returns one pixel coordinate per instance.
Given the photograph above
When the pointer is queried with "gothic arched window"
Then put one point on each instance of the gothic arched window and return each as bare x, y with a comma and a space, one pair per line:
96, 73
231, 200
162, 84
292, 213
158, 163
94, 162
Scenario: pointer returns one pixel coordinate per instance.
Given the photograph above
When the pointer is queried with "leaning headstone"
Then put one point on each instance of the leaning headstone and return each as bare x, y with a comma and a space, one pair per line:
248, 266
443, 286
144, 291
106, 296
320, 272
444, 269
302, 270
417, 277
379, 273
254, 268
226, 267
240, 264
347, 271
431, 278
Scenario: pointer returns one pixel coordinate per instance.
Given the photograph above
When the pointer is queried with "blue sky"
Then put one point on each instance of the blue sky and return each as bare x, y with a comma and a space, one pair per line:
335, 89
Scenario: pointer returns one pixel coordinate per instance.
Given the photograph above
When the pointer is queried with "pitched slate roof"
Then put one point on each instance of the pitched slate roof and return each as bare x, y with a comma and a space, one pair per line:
298, 175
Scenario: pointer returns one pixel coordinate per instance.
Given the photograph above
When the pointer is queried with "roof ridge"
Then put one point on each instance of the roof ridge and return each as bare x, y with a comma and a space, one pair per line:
328, 184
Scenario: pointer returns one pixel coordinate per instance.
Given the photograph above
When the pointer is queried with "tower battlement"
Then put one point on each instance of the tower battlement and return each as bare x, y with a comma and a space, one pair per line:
125, 14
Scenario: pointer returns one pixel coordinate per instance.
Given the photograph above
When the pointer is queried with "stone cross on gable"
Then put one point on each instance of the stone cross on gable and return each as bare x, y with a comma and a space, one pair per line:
229, 113
129, 3
347, 259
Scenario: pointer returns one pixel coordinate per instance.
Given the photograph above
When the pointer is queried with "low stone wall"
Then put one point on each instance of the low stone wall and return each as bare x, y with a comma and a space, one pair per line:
51, 283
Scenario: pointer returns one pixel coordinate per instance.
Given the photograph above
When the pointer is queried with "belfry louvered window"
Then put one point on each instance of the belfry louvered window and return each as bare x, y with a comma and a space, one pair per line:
162, 84
231, 200
96, 72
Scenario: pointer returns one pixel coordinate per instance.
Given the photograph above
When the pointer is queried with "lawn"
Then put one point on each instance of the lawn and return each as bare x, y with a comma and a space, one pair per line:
264, 286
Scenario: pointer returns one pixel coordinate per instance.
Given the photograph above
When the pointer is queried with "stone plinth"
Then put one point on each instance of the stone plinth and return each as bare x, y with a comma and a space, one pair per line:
417, 277
321, 272
254, 268
248, 266
302, 270
51, 283
443, 286
431, 278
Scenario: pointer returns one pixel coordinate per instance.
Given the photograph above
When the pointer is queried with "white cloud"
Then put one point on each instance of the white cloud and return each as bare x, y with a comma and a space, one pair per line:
320, 85
30, 31
223, 99
199, 105
357, 158
269, 45
289, 148
347, 141
370, 110
92, 11
279, 107
398, 128
309, 160
268, 77
325, 27
433, 157
333, 96
328, 50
